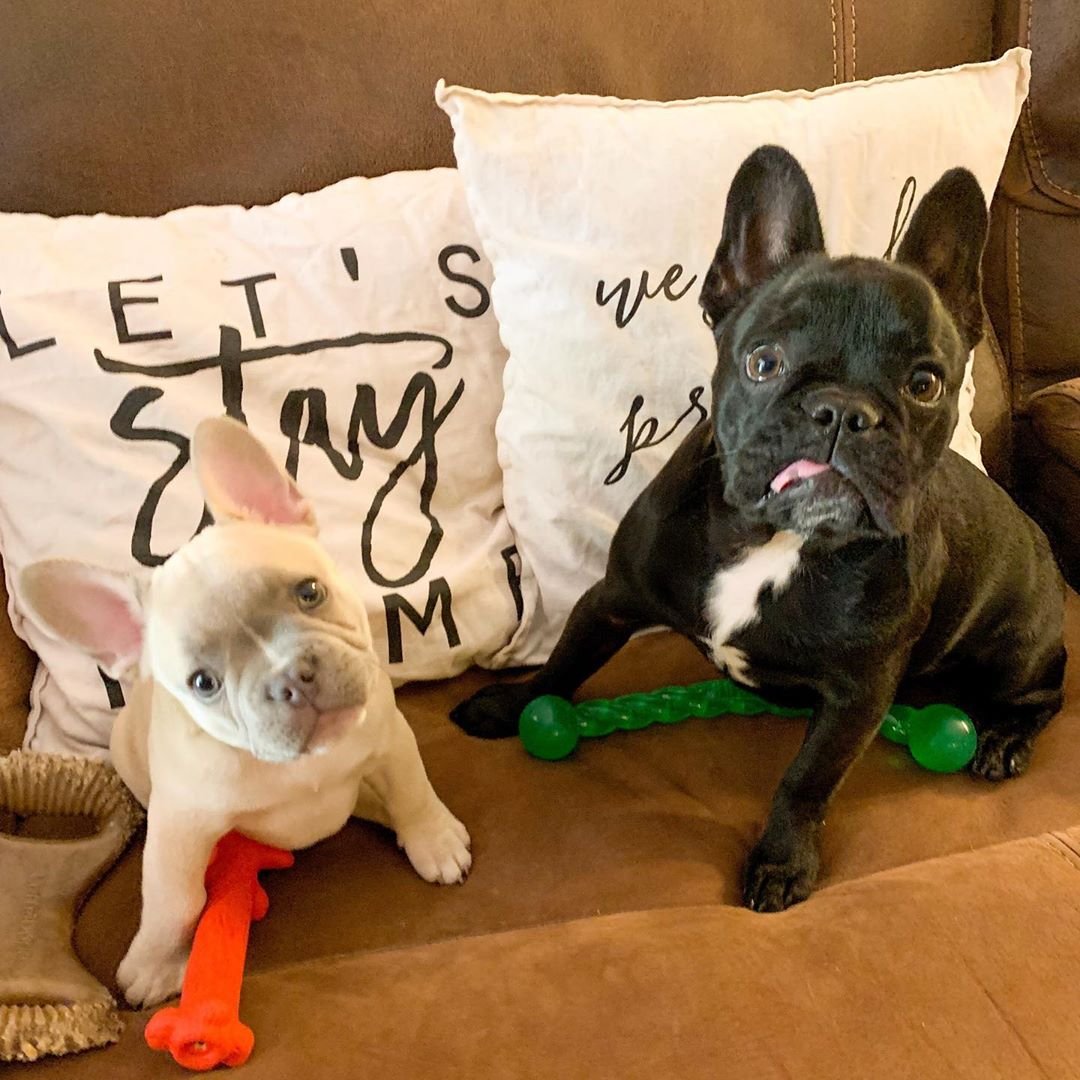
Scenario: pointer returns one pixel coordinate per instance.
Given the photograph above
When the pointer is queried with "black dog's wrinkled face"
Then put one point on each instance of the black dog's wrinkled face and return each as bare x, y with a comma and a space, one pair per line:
837, 380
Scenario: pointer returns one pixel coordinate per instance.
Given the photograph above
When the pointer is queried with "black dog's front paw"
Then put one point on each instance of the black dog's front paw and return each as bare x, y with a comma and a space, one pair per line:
777, 877
492, 713
1001, 755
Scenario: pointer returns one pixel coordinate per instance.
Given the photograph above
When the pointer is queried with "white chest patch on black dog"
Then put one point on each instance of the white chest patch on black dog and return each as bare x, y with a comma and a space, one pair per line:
732, 600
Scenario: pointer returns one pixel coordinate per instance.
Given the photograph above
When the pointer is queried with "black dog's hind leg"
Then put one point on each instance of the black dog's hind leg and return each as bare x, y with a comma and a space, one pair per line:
597, 629
1011, 720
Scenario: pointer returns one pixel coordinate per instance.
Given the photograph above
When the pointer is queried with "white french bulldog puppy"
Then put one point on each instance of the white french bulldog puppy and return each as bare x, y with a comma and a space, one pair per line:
258, 705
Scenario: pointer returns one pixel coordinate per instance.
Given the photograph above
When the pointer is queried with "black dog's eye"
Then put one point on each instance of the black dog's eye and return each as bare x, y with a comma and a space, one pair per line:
310, 593
765, 362
924, 386
204, 683
707, 319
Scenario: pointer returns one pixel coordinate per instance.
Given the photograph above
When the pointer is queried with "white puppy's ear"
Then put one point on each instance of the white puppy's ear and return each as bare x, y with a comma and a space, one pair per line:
241, 481
97, 610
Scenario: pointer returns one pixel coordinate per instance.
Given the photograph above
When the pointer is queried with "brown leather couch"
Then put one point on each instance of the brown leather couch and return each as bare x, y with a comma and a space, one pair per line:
599, 935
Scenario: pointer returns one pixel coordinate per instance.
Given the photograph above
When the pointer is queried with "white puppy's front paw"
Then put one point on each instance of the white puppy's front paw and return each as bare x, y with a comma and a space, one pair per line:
438, 848
149, 975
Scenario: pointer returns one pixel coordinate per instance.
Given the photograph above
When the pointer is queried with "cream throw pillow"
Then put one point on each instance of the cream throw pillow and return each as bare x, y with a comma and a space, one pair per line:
600, 217
351, 328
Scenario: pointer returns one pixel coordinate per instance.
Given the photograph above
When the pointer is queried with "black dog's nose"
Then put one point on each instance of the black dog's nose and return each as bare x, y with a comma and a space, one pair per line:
832, 408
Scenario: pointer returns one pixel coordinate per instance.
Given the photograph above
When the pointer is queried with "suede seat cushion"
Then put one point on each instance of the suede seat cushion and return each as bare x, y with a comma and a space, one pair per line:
658, 818
951, 969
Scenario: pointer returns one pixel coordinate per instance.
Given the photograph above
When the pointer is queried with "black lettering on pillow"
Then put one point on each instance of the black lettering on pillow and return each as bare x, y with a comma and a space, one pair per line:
396, 606
113, 690
254, 308
625, 308
15, 351
484, 301
643, 436
422, 386
312, 404
118, 303
513, 577
352, 265
123, 426
904, 205
298, 404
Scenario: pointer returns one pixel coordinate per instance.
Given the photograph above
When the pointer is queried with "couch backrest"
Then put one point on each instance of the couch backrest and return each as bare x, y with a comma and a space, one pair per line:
136, 109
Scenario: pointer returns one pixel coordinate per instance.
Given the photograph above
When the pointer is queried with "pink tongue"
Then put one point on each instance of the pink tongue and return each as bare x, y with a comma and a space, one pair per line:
797, 470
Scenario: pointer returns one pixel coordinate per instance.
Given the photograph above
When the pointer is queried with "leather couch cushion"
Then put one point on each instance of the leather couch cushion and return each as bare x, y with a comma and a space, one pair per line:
652, 819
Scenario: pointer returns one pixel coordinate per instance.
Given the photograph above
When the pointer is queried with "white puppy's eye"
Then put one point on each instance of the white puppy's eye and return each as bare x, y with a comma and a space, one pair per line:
204, 684
310, 593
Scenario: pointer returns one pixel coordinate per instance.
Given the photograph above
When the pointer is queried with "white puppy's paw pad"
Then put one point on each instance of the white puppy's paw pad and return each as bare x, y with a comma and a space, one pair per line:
148, 978
439, 850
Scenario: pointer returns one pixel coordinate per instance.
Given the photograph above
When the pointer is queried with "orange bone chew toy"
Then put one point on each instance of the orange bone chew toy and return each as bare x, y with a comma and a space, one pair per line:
205, 1029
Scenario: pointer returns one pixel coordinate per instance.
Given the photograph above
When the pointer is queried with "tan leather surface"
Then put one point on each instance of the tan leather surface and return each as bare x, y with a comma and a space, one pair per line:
999, 293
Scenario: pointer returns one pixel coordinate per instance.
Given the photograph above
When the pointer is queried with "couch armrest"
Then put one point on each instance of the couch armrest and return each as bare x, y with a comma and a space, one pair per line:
1051, 466
1055, 419
17, 664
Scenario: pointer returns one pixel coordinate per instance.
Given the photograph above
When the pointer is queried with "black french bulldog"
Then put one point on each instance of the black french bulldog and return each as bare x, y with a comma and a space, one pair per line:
817, 538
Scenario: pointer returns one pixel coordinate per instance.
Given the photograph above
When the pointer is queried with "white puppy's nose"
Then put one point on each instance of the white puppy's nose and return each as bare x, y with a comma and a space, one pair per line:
294, 685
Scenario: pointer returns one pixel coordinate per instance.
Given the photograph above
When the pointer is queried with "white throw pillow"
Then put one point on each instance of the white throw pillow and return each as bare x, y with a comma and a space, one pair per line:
600, 217
351, 327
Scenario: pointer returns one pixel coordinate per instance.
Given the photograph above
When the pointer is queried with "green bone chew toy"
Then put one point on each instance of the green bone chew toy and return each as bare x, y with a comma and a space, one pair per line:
940, 737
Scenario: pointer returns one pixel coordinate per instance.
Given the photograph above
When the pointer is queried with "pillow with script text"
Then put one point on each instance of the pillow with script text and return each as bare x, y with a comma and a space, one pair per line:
601, 216
350, 328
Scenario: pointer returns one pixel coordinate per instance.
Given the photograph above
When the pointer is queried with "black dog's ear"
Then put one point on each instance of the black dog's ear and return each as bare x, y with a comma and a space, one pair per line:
771, 218
945, 241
